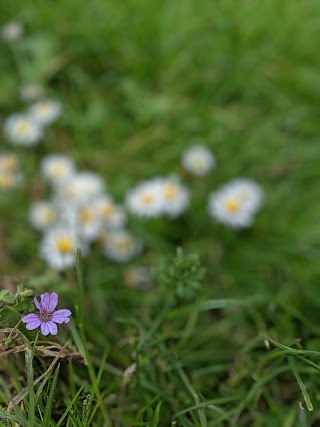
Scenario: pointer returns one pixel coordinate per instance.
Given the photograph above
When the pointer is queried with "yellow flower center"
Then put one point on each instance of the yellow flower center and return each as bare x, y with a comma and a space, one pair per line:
147, 198
232, 205
58, 170
170, 191
23, 127
106, 210
123, 243
197, 161
6, 181
9, 163
43, 107
64, 245
86, 215
48, 216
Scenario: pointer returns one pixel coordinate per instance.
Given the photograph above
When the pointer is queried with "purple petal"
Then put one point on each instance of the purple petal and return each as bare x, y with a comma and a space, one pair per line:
33, 321
31, 318
53, 301
45, 301
37, 303
33, 325
45, 328
53, 329
61, 316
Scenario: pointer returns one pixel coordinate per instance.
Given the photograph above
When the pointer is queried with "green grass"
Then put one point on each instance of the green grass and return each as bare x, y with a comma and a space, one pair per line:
141, 81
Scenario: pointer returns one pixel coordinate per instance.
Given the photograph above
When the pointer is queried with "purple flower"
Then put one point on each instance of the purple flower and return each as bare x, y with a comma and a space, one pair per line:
48, 317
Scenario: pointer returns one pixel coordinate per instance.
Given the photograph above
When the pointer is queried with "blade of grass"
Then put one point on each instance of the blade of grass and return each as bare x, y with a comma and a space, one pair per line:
69, 407
292, 364
49, 402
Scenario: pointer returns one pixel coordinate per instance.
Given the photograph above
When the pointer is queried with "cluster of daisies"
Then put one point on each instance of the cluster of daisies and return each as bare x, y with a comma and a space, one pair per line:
233, 204
79, 213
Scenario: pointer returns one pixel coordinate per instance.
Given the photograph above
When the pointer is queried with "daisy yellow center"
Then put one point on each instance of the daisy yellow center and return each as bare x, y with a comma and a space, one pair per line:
232, 205
48, 216
23, 127
106, 210
6, 181
197, 161
9, 163
147, 198
123, 244
86, 215
58, 170
64, 245
170, 191
44, 107
131, 276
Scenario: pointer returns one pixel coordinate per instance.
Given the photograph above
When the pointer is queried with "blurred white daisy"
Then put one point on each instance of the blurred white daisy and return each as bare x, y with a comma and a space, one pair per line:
9, 180
198, 160
10, 174
249, 192
121, 246
110, 214
43, 215
175, 197
89, 223
81, 188
12, 31
235, 203
145, 200
20, 129
58, 248
57, 167
45, 111
138, 277
9, 162
31, 92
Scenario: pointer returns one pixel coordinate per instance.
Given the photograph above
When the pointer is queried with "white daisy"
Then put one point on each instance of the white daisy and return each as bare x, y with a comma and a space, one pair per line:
12, 31
89, 223
249, 192
235, 203
9, 180
198, 160
175, 197
110, 214
59, 247
20, 129
81, 188
45, 111
145, 200
30, 92
121, 246
43, 215
10, 174
9, 162
57, 167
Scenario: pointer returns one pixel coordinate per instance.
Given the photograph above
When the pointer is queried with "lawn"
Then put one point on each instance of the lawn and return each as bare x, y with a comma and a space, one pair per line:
206, 325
